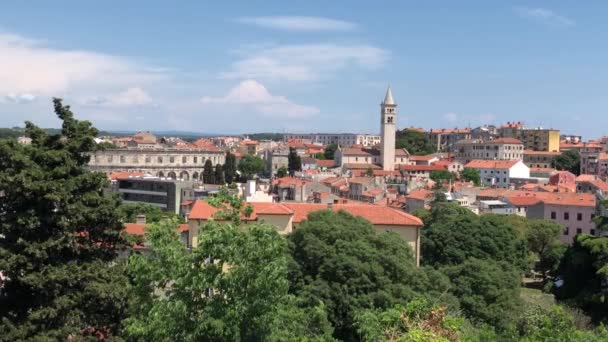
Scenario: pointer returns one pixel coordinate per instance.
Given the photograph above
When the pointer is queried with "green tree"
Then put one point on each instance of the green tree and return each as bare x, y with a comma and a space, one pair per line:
330, 150
250, 166
59, 238
418, 321
282, 172
208, 172
470, 175
127, 212
294, 162
569, 160
453, 234
488, 291
441, 176
341, 261
542, 236
583, 271
218, 175
230, 168
414, 142
369, 172
232, 286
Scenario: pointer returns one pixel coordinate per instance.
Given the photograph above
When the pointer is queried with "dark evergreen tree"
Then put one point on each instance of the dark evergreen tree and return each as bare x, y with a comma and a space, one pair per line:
219, 174
208, 172
59, 236
294, 162
230, 168
568, 161
330, 150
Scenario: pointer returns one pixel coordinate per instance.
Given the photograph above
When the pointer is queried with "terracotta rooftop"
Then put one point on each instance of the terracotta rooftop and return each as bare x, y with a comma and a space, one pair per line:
433, 167
506, 141
423, 158
491, 164
125, 174
349, 151
363, 166
585, 178
421, 194
377, 215
326, 163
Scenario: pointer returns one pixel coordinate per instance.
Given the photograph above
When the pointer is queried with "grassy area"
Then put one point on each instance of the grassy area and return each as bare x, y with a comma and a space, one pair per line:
537, 297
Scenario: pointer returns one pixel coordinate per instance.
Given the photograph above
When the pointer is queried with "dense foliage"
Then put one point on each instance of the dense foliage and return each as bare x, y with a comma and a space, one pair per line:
416, 143
59, 236
208, 172
294, 162
250, 166
230, 167
266, 136
569, 160
329, 151
441, 176
339, 260
218, 175
584, 272
282, 172
470, 175
127, 212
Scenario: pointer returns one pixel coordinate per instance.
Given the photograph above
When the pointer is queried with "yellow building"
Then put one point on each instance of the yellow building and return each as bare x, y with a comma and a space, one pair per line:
538, 139
286, 217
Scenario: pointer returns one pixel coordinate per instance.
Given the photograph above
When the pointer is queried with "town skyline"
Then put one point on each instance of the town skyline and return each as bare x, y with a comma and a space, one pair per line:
227, 69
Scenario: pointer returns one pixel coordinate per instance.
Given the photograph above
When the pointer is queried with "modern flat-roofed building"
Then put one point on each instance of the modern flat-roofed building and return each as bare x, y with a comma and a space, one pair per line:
164, 193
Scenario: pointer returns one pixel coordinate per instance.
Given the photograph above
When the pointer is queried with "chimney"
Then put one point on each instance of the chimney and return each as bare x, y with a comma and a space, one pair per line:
140, 219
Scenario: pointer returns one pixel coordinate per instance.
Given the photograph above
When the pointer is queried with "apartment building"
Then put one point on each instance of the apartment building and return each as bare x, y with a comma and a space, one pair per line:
497, 149
444, 139
342, 139
539, 159
499, 173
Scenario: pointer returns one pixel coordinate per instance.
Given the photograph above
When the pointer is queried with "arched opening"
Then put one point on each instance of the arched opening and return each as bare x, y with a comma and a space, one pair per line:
184, 175
161, 174
171, 175
195, 176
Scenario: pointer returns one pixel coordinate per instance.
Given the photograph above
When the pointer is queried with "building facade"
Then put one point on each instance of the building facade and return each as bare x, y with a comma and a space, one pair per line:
342, 139
444, 139
163, 193
499, 173
388, 129
497, 149
175, 163
540, 159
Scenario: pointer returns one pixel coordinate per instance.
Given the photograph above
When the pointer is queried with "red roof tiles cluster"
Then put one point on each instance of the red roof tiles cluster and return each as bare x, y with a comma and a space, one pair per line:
491, 164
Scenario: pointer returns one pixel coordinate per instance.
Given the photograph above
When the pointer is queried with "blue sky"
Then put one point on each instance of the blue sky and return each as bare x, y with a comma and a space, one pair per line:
320, 66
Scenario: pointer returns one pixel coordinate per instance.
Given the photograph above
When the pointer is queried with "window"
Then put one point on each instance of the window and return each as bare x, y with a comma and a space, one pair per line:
553, 215
579, 231
148, 160
110, 158
171, 159
160, 160
566, 231
504, 180
184, 160
123, 159
566, 216
579, 216
592, 232
195, 160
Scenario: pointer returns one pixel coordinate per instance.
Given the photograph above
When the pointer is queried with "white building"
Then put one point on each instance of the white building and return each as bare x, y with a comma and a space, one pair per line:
497, 149
499, 173
342, 139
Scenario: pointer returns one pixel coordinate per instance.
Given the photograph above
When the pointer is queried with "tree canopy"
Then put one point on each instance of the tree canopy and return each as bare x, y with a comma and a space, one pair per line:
470, 175
294, 162
569, 160
250, 166
59, 236
230, 168
330, 150
208, 172
416, 143
127, 212
340, 261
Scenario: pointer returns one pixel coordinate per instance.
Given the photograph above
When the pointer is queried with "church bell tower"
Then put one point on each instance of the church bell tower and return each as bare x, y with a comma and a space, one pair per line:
388, 114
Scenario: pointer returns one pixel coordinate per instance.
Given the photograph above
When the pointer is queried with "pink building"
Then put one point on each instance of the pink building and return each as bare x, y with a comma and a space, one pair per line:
574, 212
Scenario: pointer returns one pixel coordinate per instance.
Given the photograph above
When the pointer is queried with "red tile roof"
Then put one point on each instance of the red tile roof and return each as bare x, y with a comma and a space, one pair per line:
421, 194
491, 164
541, 153
373, 192
506, 141
326, 163
599, 184
360, 151
125, 174
135, 228
433, 167
377, 215
360, 166
586, 178
423, 158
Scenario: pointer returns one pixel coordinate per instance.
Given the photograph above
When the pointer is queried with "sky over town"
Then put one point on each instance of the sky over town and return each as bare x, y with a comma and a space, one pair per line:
309, 66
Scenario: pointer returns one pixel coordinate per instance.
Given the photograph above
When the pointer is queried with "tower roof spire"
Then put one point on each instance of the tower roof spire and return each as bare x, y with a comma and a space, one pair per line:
388, 99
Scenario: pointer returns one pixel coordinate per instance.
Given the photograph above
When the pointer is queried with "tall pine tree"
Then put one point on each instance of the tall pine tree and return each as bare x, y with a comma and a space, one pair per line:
59, 236
294, 162
230, 168
219, 174
208, 173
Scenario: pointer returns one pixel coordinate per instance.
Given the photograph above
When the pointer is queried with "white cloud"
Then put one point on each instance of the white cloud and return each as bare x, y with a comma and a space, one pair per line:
18, 98
32, 67
250, 93
134, 96
299, 23
544, 15
305, 62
